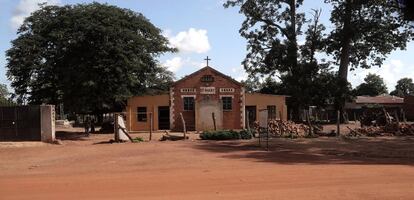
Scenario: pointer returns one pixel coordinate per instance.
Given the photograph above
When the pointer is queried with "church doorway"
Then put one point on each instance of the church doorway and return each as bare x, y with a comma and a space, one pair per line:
163, 117
250, 115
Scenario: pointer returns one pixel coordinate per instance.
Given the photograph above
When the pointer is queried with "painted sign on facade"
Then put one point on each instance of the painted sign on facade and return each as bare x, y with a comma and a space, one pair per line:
207, 90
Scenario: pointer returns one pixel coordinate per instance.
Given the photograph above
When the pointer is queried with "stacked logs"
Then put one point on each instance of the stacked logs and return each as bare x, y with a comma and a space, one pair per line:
391, 129
280, 128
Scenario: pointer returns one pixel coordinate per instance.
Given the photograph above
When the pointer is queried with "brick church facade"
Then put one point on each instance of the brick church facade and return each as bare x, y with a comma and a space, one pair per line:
198, 98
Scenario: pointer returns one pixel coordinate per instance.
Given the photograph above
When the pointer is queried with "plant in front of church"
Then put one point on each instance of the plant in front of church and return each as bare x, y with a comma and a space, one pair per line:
88, 57
225, 135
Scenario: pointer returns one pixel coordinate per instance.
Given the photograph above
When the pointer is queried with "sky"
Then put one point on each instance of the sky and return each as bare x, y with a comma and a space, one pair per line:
198, 28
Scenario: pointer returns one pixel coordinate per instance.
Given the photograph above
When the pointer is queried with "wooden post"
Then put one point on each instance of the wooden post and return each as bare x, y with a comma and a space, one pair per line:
309, 124
247, 120
386, 115
116, 128
214, 121
403, 116
280, 116
150, 136
338, 123
355, 118
398, 120
184, 128
130, 119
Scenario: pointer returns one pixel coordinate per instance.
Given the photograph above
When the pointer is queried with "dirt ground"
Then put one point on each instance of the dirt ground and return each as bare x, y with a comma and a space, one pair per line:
322, 168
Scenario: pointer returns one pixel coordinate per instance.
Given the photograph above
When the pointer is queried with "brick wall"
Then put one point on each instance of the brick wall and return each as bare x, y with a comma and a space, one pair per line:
192, 85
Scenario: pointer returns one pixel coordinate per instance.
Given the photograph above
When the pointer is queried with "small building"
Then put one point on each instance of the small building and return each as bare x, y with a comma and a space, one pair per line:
388, 102
409, 107
198, 98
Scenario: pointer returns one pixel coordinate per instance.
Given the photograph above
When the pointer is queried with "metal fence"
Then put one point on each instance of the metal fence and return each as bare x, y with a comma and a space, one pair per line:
20, 123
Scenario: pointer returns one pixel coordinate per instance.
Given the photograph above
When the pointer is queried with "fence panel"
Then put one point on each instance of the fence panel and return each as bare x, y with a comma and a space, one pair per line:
20, 123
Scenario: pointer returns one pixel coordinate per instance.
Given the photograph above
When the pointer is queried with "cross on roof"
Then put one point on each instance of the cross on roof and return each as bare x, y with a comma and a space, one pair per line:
207, 59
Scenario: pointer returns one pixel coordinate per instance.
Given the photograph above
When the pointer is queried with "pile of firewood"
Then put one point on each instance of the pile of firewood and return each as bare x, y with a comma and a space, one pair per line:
280, 128
390, 129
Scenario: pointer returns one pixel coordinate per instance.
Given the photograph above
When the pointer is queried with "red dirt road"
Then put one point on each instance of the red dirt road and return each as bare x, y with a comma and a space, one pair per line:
325, 168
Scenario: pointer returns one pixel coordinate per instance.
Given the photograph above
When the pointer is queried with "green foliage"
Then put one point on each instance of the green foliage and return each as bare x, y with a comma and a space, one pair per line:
271, 29
404, 87
246, 134
369, 30
137, 140
4, 93
225, 135
5, 98
374, 85
90, 57
364, 33
252, 84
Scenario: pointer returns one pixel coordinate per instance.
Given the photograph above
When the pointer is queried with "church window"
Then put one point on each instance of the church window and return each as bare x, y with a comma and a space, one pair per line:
142, 114
207, 78
188, 103
227, 103
271, 112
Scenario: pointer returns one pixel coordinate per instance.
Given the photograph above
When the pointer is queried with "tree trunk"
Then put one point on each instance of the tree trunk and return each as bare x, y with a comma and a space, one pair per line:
346, 42
345, 54
292, 38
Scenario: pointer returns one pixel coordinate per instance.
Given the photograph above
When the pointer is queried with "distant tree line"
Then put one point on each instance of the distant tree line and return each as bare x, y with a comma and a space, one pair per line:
373, 85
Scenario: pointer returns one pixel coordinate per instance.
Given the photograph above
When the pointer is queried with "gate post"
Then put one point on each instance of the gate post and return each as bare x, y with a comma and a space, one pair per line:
47, 123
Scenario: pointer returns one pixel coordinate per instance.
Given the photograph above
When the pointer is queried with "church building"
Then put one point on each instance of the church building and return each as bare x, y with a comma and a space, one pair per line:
199, 98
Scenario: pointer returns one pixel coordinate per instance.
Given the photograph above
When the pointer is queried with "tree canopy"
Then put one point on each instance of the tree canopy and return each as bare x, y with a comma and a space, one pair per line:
374, 85
5, 98
365, 32
404, 87
272, 29
361, 34
90, 57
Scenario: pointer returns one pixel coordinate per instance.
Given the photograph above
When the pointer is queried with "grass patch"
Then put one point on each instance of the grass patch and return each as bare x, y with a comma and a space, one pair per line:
225, 135
137, 140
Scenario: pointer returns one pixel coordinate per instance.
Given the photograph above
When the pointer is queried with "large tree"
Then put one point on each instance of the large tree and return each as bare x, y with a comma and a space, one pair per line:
272, 29
374, 85
365, 32
404, 87
90, 57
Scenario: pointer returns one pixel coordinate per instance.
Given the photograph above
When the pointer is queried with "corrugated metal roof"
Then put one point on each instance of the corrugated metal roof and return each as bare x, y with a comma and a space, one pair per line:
381, 99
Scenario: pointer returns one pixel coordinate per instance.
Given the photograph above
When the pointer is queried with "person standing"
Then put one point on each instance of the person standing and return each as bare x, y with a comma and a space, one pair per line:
87, 124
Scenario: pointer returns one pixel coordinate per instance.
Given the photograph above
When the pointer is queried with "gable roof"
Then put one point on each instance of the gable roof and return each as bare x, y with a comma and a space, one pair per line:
208, 68
381, 99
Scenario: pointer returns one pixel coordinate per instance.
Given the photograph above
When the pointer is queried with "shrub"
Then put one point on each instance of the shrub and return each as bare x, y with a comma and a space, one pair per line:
246, 134
137, 139
225, 135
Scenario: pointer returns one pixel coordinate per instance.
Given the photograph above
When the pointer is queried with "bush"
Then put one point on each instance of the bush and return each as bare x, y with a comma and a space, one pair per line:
246, 134
137, 139
225, 135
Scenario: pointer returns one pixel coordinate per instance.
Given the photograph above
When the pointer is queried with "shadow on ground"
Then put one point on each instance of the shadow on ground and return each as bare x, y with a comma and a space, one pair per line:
77, 136
395, 150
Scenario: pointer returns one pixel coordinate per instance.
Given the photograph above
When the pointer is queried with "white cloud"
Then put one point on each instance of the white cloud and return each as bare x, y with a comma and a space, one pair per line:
239, 73
391, 72
198, 65
174, 64
24, 8
191, 41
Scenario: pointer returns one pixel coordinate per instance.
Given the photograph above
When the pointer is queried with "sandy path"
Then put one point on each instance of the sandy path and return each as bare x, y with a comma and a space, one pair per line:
215, 170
